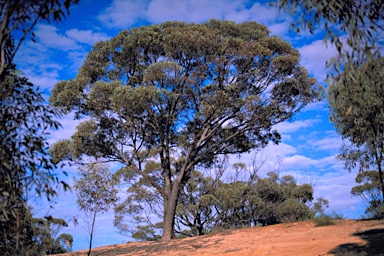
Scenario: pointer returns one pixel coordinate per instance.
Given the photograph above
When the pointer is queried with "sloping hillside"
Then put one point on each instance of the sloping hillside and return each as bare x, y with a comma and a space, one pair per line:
347, 237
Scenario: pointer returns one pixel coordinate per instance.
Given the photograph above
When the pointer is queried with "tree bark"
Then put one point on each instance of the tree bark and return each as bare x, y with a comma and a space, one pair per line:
91, 233
381, 178
169, 213
379, 159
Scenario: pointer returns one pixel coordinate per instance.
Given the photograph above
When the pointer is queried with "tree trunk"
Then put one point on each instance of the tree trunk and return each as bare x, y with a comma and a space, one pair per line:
169, 214
379, 159
91, 233
381, 178
17, 231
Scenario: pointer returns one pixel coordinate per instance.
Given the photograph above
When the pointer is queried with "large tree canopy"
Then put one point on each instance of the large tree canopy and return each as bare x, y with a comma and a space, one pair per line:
167, 98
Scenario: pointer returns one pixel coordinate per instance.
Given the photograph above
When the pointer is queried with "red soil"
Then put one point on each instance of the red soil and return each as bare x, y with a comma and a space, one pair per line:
346, 237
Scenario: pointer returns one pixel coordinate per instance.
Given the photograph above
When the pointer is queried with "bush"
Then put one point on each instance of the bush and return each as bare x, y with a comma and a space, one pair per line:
337, 216
324, 220
327, 219
292, 210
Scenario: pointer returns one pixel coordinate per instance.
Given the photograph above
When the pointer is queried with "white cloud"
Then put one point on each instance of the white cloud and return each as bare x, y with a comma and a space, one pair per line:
328, 143
288, 127
66, 131
279, 29
271, 156
265, 14
86, 36
33, 54
319, 106
122, 14
42, 61
335, 186
314, 57
300, 161
44, 80
238, 16
193, 11
282, 150
77, 58
49, 36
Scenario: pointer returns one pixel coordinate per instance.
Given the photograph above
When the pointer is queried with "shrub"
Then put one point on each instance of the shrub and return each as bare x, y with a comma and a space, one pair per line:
324, 220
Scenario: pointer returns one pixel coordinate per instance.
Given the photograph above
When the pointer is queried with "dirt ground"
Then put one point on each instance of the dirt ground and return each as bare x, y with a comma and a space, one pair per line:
346, 237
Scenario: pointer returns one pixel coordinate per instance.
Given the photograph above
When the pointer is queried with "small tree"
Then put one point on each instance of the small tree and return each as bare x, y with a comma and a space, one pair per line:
95, 193
319, 206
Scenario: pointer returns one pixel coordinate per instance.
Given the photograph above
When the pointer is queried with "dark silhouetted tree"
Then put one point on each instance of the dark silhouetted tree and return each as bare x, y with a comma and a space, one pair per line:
25, 121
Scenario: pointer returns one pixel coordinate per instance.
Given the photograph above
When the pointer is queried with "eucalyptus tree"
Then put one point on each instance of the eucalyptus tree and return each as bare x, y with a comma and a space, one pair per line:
357, 111
225, 197
167, 98
96, 192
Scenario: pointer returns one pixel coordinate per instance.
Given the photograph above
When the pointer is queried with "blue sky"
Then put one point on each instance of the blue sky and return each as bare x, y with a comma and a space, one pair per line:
309, 142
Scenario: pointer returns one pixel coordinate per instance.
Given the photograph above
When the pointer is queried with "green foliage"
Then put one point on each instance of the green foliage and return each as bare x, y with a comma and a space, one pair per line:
16, 230
357, 111
293, 210
370, 190
25, 165
181, 95
327, 219
228, 198
24, 124
95, 188
22, 15
337, 216
147, 233
46, 239
319, 206
324, 220
354, 27
96, 192
208, 203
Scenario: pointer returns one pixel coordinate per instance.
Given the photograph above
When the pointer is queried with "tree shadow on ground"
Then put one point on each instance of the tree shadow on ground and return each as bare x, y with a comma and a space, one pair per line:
374, 245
